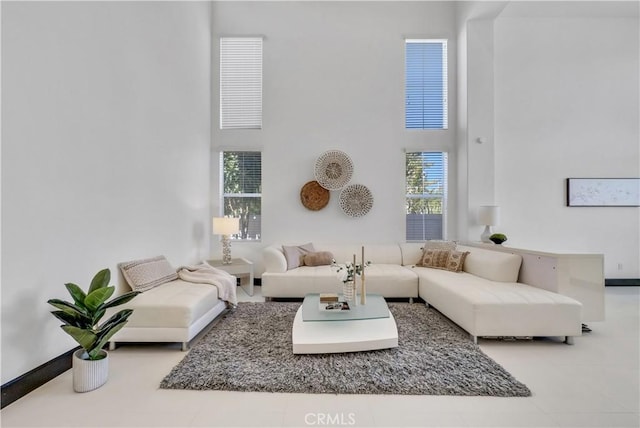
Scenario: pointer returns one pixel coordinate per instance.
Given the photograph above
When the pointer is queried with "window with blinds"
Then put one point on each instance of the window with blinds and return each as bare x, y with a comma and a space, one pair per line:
426, 84
240, 83
426, 193
242, 191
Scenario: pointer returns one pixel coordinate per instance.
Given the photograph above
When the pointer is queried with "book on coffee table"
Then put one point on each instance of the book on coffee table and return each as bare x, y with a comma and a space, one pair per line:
328, 297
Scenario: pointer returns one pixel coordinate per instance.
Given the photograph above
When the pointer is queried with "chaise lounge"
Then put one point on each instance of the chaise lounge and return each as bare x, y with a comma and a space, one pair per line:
169, 309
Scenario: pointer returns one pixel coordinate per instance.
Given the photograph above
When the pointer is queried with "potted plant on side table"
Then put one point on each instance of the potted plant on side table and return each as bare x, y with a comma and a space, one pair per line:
81, 319
498, 238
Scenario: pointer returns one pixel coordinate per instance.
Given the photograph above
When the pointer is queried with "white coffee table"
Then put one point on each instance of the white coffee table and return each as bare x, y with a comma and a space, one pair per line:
363, 328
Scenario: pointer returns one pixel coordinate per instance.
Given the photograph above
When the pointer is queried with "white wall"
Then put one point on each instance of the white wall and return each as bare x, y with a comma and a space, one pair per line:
333, 79
566, 97
105, 152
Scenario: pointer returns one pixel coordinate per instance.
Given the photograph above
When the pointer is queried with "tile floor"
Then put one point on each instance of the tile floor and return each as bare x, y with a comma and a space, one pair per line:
594, 383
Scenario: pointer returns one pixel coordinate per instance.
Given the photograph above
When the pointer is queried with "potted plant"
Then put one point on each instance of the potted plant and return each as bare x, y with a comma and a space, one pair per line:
81, 321
498, 238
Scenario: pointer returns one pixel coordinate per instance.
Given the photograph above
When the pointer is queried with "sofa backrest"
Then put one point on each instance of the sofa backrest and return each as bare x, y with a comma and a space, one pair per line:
411, 253
375, 253
492, 265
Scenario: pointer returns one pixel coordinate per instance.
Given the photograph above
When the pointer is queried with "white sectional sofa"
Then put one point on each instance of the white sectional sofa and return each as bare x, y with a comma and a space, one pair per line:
485, 299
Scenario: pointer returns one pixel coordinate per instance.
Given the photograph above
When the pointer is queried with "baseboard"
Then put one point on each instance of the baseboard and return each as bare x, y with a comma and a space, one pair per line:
627, 282
22, 385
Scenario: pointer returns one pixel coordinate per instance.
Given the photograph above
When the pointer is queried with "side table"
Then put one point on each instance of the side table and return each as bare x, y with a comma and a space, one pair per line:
241, 268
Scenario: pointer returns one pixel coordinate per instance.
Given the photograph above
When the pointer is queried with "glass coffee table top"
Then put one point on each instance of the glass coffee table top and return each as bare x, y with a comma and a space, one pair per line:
376, 307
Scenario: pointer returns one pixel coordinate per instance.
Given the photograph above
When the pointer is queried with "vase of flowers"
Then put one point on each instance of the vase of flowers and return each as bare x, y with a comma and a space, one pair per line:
349, 291
347, 273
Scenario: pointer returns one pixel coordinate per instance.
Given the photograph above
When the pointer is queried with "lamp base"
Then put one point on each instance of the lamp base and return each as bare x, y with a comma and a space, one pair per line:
226, 250
486, 234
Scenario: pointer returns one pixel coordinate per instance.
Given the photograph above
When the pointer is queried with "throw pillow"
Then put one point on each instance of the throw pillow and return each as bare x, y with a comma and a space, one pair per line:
455, 261
435, 244
319, 258
435, 258
295, 253
143, 275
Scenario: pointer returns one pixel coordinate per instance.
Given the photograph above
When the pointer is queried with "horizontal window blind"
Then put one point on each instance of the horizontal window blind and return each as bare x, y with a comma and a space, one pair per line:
426, 195
426, 103
240, 83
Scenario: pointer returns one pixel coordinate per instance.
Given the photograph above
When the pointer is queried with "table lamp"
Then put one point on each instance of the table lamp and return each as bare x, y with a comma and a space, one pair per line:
488, 215
226, 226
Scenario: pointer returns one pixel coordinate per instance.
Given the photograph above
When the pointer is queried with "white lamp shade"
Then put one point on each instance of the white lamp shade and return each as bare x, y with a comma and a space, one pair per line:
226, 225
489, 215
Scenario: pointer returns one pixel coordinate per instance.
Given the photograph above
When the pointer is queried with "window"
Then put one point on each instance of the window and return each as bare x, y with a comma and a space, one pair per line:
426, 195
426, 84
241, 191
240, 83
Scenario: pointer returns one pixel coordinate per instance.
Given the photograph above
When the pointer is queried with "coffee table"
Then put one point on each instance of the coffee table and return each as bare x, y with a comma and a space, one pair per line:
362, 328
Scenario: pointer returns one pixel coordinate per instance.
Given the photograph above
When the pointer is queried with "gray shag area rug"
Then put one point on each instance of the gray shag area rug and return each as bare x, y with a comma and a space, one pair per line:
250, 349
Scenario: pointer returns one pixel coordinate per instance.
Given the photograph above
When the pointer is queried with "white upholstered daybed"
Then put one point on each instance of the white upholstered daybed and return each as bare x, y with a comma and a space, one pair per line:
169, 309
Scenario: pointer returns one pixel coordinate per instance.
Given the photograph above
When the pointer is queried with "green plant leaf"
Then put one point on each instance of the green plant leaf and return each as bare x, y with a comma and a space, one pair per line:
97, 316
100, 280
121, 299
95, 354
73, 319
77, 293
84, 337
105, 338
67, 307
98, 297
116, 318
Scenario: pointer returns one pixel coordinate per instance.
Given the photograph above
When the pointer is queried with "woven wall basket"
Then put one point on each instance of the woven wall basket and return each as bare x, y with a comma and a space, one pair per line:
333, 169
356, 200
313, 196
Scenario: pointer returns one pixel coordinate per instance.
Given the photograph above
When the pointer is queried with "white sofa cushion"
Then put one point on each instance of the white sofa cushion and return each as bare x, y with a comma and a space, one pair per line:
173, 304
375, 253
389, 280
489, 308
492, 265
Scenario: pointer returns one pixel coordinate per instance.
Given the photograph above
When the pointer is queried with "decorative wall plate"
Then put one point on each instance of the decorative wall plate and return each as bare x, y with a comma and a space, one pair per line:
356, 200
333, 169
313, 196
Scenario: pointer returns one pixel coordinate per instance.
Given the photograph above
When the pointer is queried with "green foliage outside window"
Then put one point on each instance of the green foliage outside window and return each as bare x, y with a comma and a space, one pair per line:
242, 189
425, 184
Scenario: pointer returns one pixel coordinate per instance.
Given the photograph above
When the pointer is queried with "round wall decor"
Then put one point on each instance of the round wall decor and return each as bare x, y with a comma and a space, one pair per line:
333, 169
356, 200
313, 196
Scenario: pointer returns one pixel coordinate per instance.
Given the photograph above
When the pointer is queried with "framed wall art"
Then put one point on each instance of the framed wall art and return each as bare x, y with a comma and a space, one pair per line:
603, 192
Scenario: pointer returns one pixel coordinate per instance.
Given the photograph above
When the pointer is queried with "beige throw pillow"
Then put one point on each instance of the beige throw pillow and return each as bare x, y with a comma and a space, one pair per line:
143, 275
435, 244
455, 261
450, 260
295, 253
319, 258
434, 258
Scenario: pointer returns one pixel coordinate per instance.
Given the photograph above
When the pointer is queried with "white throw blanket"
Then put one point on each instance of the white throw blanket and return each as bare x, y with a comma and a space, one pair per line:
205, 274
